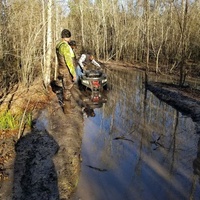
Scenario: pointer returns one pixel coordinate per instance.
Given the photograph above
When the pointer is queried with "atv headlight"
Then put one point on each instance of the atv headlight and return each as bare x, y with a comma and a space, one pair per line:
85, 82
104, 80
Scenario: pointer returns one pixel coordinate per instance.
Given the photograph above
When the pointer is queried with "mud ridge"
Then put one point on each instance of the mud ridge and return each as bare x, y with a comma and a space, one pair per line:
176, 98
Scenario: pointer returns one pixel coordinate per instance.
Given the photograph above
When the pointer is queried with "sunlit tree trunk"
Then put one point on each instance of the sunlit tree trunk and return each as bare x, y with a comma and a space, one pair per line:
3, 24
82, 22
147, 38
44, 35
47, 71
147, 32
55, 38
104, 29
114, 31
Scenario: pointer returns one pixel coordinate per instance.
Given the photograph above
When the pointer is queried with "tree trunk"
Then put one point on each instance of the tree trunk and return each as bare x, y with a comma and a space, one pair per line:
47, 74
147, 33
44, 36
183, 31
82, 24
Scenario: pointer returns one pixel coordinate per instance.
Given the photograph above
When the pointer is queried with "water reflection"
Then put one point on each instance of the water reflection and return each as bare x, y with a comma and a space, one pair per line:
156, 159
92, 100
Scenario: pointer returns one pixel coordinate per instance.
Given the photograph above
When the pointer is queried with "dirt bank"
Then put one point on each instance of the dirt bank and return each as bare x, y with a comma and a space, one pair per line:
45, 162
185, 99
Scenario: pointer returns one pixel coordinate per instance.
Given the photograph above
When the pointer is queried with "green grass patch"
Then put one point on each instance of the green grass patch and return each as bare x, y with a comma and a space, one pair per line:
9, 121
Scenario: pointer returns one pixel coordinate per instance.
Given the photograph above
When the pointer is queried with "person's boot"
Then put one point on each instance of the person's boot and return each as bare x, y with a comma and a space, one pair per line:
68, 107
66, 95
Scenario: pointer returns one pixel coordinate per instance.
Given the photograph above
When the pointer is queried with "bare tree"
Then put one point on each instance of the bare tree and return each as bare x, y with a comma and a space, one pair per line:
183, 26
147, 18
47, 67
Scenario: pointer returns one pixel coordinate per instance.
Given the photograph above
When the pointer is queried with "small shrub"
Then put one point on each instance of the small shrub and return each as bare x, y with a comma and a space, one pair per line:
9, 121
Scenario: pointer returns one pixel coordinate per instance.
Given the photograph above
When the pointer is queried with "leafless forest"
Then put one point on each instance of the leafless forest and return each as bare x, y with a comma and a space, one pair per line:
163, 34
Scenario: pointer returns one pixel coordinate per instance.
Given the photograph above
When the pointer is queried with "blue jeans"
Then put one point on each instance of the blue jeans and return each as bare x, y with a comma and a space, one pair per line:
78, 73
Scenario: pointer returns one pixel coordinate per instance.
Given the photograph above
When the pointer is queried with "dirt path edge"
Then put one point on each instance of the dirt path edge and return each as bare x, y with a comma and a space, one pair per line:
176, 98
46, 160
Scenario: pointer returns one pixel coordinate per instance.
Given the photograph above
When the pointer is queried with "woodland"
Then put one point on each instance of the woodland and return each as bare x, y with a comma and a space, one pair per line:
159, 36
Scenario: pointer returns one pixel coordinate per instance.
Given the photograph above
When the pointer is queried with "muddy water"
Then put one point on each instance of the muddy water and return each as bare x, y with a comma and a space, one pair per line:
137, 147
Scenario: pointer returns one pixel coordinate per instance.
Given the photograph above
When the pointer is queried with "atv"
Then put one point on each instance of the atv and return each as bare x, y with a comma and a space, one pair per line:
95, 80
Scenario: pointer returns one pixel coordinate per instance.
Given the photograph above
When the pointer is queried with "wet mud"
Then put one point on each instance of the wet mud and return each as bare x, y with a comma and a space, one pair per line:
186, 103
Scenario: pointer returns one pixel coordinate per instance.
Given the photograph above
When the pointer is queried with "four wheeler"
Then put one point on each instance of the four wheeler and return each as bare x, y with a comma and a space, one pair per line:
95, 80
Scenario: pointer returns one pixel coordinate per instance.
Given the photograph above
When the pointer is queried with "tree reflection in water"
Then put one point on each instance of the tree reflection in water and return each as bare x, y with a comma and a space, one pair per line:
138, 170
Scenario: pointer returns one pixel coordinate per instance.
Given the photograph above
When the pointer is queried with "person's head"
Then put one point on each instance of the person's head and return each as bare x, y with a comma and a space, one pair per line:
91, 57
72, 43
66, 34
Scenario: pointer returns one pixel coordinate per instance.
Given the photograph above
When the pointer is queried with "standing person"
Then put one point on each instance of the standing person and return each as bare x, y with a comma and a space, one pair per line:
83, 61
66, 69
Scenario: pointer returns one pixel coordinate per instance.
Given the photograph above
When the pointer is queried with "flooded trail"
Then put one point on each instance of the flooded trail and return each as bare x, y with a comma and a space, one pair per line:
138, 147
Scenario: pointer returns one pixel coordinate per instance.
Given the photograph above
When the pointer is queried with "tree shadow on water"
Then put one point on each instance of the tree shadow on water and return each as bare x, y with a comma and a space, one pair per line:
35, 176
